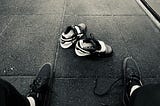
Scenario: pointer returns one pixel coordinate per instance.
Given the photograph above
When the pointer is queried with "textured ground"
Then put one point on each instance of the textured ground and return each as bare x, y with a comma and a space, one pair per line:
29, 33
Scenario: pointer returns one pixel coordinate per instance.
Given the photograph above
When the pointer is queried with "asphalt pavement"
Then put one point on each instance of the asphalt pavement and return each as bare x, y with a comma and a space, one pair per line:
29, 37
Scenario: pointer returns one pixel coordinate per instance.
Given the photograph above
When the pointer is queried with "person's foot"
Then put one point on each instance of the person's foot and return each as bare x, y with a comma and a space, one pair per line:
131, 78
41, 86
72, 34
92, 47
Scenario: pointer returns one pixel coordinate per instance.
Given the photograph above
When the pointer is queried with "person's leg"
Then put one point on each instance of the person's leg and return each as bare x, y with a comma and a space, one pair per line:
131, 79
148, 95
9, 96
135, 94
39, 95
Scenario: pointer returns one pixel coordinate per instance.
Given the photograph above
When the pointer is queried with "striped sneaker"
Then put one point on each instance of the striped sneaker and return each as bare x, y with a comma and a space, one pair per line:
72, 34
92, 47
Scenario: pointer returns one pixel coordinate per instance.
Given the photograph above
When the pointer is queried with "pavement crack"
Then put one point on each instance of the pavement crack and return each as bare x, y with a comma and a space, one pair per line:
6, 26
60, 29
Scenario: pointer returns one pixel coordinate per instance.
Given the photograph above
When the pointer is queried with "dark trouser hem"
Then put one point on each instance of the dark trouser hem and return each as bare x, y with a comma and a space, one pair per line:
9, 96
148, 95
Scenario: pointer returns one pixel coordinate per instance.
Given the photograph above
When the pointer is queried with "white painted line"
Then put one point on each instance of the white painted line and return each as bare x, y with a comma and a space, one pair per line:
156, 22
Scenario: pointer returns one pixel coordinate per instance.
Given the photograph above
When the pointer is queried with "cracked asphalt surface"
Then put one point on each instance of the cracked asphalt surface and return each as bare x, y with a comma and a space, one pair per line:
29, 37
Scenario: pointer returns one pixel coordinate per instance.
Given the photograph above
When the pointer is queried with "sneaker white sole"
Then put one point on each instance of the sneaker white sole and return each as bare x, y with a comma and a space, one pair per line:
104, 48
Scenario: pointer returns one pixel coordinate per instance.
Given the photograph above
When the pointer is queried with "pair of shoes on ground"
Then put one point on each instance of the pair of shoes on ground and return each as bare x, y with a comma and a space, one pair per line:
84, 46
40, 89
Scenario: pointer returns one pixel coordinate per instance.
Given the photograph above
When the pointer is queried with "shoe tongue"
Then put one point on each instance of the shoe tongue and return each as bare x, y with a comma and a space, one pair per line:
87, 44
69, 34
93, 43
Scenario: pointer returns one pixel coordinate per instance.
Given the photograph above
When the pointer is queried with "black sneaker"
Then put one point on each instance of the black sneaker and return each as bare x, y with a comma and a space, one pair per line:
41, 86
92, 47
131, 77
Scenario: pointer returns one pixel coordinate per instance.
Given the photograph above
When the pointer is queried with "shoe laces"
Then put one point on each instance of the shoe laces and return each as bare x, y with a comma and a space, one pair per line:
35, 85
124, 69
94, 41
